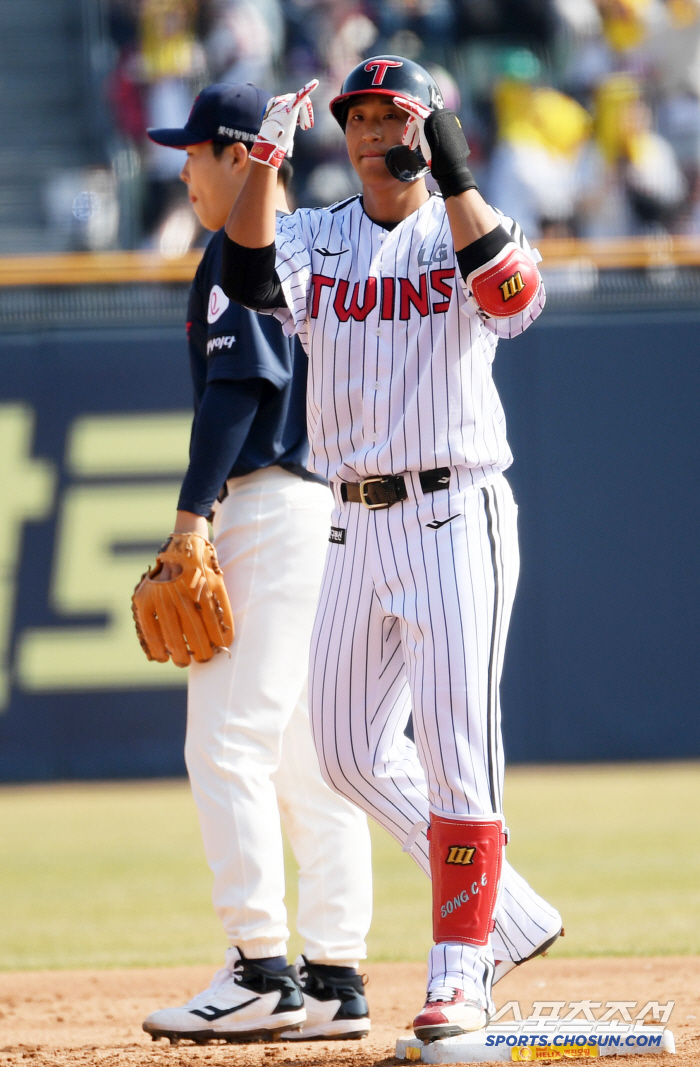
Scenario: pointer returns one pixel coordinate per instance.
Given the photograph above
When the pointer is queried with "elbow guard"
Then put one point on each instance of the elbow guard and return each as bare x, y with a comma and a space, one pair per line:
507, 284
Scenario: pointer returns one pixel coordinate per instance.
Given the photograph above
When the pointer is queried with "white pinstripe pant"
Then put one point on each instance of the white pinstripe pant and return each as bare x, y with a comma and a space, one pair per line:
415, 618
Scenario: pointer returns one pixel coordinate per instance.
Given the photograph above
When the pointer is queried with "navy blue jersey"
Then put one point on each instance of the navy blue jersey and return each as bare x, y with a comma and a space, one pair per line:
228, 343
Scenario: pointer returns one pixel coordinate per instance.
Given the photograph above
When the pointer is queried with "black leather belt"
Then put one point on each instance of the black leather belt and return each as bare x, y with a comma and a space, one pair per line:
384, 490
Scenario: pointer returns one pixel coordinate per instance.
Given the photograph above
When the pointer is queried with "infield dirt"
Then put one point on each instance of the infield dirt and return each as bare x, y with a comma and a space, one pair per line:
62, 1018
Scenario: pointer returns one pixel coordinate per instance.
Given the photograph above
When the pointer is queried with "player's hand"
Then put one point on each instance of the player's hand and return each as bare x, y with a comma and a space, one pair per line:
282, 116
439, 135
414, 131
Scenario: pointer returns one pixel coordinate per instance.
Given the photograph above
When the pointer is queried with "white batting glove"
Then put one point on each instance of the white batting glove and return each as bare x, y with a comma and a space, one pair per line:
414, 131
282, 114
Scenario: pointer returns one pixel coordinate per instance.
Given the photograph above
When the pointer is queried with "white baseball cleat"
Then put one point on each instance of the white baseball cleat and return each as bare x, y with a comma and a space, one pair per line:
245, 1002
336, 1006
504, 967
448, 1012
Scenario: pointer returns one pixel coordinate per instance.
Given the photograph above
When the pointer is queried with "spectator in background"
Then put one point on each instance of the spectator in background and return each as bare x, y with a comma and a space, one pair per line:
124, 86
541, 134
630, 181
173, 68
245, 40
530, 73
344, 35
674, 56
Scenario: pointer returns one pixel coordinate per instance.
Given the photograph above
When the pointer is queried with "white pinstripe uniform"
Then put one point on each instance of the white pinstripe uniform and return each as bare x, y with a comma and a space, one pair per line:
417, 598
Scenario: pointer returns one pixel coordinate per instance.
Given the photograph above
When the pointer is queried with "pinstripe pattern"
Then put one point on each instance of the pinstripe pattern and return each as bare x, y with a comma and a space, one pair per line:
391, 394
460, 967
411, 619
523, 919
416, 618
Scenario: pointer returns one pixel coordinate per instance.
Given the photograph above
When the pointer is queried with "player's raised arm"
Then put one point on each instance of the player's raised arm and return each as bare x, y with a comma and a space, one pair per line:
501, 275
248, 274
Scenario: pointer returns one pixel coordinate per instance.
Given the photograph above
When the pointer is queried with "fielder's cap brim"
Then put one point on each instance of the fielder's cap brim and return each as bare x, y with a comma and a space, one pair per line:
177, 138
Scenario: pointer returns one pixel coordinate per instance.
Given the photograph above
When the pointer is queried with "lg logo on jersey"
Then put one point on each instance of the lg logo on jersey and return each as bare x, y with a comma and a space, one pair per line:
218, 302
385, 291
438, 255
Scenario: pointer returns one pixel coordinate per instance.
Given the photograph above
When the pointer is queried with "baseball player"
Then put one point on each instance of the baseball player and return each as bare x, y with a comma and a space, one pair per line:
249, 751
399, 298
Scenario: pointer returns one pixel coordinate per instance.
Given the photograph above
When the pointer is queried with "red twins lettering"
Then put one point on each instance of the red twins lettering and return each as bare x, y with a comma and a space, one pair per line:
388, 290
318, 281
381, 66
384, 291
417, 297
438, 279
357, 311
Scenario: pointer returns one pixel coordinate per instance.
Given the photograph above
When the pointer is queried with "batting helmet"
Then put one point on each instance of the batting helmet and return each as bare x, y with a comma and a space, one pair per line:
389, 76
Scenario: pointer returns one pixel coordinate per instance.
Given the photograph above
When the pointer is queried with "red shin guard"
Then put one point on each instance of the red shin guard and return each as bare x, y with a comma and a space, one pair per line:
466, 857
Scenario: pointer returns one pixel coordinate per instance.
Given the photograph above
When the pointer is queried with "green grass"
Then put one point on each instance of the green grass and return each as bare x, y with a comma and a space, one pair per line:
112, 875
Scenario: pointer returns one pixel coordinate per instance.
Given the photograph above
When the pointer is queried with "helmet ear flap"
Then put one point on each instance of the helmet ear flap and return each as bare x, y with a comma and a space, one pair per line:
405, 163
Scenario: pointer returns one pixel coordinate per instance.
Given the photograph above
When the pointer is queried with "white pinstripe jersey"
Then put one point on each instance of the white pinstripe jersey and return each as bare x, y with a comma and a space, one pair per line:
399, 356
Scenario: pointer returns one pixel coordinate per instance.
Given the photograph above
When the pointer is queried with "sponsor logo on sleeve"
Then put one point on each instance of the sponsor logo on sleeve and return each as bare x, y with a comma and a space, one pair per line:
216, 344
218, 302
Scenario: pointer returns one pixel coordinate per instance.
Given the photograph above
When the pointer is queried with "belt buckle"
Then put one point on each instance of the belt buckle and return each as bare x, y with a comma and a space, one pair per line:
367, 503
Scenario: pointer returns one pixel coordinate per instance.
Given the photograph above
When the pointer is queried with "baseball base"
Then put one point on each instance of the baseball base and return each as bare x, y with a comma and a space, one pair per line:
523, 1043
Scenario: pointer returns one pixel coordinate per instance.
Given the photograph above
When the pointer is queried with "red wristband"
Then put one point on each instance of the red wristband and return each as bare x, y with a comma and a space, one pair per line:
268, 153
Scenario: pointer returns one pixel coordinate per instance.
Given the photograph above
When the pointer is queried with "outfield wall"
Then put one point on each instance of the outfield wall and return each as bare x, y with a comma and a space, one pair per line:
94, 423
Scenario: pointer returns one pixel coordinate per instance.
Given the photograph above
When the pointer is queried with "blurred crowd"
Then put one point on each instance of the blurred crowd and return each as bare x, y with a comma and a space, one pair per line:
583, 116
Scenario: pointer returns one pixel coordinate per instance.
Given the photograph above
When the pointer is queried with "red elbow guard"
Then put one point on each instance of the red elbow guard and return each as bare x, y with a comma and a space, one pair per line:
466, 857
507, 284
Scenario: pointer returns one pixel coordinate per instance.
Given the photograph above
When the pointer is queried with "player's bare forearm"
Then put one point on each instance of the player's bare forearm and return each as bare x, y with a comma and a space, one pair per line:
253, 216
470, 218
189, 522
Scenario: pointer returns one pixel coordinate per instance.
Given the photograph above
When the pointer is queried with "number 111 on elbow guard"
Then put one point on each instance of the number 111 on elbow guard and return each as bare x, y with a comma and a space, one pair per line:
507, 284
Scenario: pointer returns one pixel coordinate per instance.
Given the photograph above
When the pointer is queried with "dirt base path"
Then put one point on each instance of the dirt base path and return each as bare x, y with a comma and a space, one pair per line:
65, 1018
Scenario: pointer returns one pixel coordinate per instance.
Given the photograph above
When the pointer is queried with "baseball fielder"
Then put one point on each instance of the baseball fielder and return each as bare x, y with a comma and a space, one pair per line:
249, 751
399, 298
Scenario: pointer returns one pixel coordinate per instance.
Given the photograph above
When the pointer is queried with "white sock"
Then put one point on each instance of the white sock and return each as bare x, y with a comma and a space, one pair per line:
466, 967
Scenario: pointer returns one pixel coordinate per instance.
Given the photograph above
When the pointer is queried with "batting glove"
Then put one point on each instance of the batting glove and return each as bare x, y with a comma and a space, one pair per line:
282, 114
414, 131
440, 137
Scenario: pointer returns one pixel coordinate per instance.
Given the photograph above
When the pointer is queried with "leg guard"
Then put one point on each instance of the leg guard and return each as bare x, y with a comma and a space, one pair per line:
466, 857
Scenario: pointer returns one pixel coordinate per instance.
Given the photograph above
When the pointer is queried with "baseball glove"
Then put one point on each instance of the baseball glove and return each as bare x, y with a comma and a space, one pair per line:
189, 614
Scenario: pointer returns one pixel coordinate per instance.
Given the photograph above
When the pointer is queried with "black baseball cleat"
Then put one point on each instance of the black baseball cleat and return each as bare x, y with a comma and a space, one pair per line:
336, 1006
245, 1002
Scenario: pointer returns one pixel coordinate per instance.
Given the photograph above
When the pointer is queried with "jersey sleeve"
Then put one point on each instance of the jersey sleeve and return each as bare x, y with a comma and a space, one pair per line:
245, 346
293, 265
516, 324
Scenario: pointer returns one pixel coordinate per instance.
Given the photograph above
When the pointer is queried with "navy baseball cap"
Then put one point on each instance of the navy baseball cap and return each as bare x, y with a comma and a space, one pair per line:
221, 112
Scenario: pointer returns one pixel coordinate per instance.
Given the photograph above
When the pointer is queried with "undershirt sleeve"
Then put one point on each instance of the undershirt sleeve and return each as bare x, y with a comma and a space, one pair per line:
248, 276
223, 422
482, 250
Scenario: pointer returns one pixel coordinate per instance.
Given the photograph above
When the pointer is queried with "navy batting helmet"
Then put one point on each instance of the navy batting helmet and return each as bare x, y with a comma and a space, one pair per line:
389, 76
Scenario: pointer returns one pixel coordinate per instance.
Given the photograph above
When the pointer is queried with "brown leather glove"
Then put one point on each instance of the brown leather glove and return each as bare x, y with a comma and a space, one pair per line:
189, 614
